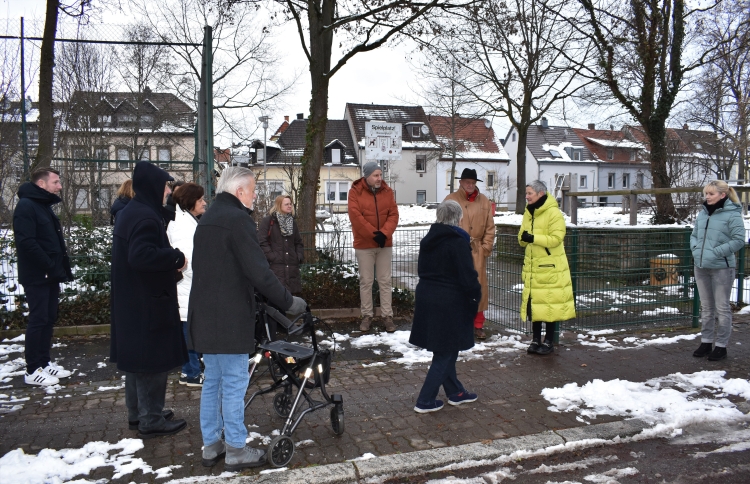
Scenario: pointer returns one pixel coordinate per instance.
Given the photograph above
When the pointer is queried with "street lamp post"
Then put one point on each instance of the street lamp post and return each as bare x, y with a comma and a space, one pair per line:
264, 120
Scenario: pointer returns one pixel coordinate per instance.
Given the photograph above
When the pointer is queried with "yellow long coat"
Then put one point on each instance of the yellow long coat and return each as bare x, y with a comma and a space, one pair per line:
479, 223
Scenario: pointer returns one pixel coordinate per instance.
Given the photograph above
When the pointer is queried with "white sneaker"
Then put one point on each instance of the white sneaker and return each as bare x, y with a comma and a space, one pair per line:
41, 378
57, 371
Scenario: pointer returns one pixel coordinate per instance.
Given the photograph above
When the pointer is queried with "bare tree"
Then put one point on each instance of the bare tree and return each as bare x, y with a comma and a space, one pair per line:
361, 26
640, 59
75, 8
445, 95
245, 75
518, 54
11, 148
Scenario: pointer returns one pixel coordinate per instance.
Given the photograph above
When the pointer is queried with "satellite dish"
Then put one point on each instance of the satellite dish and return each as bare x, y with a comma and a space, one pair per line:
425, 129
487, 123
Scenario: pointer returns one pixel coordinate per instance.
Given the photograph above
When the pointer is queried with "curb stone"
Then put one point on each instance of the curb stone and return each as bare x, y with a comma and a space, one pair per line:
411, 463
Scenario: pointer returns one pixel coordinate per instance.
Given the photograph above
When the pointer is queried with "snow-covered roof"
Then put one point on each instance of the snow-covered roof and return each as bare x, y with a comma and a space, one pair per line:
616, 143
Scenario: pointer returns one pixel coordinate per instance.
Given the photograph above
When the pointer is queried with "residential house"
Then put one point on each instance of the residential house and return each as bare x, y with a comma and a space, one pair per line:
477, 148
413, 177
12, 150
623, 164
102, 134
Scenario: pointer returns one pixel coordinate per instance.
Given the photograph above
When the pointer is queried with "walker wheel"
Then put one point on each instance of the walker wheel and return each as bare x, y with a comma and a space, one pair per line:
282, 403
337, 419
280, 451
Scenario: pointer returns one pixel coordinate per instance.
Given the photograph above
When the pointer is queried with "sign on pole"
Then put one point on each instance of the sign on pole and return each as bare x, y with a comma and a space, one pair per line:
382, 140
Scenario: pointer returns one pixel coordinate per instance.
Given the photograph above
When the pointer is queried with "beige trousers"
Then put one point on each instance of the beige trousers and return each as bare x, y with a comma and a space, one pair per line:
372, 261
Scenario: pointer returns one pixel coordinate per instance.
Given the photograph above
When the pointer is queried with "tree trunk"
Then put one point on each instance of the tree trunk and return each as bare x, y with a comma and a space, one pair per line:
521, 169
46, 73
665, 211
320, 66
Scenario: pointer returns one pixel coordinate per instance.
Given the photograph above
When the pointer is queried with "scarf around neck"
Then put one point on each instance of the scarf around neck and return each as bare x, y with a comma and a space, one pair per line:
286, 223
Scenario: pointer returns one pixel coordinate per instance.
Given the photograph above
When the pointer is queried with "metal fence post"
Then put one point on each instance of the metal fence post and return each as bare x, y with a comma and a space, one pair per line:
696, 307
741, 277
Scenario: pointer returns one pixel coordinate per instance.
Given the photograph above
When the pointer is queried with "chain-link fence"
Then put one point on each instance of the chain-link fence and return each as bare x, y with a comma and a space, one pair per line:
621, 277
122, 94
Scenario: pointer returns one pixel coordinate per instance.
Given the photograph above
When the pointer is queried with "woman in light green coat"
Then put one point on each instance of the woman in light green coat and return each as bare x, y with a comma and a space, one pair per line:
718, 233
547, 287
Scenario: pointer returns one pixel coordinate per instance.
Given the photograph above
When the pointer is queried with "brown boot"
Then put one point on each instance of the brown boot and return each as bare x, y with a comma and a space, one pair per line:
390, 327
479, 333
364, 326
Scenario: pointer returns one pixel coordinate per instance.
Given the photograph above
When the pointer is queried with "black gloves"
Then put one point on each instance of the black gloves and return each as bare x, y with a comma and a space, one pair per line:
379, 238
527, 237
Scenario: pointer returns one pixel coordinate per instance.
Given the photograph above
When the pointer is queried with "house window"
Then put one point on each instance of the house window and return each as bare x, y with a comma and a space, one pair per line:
448, 180
123, 159
490, 179
639, 180
259, 155
513, 138
421, 163
275, 188
165, 156
421, 196
336, 156
144, 153
105, 196
415, 129
104, 120
626, 180
603, 201
147, 120
610, 154
82, 199
577, 155
126, 119
555, 154
611, 180
632, 155
583, 181
80, 154
337, 191
102, 153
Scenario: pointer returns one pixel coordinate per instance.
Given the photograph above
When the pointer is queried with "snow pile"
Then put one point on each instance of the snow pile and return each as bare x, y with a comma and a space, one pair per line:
630, 342
669, 402
398, 342
63, 465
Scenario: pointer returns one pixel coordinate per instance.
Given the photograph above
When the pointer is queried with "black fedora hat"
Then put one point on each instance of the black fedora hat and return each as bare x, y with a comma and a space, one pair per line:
468, 174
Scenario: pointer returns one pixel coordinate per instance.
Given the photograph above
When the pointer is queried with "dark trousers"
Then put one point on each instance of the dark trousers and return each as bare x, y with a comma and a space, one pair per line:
144, 397
42, 300
442, 372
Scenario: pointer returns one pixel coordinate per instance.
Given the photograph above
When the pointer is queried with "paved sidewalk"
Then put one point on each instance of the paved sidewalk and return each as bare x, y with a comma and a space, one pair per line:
378, 402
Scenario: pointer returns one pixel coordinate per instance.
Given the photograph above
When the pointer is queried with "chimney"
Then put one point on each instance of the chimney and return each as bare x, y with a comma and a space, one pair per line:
592, 126
300, 115
544, 123
685, 126
286, 119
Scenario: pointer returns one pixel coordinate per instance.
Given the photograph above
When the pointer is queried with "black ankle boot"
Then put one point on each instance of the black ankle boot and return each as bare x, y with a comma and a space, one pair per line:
533, 347
545, 348
703, 350
717, 354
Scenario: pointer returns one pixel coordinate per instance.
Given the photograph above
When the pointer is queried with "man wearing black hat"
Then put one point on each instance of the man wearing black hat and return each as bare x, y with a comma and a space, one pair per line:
478, 222
146, 333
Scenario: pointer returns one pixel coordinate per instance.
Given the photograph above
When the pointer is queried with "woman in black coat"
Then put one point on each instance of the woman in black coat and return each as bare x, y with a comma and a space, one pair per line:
124, 194
447, 298
281, 242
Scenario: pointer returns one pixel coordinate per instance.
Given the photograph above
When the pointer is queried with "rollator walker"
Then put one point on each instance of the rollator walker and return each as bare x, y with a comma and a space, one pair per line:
296, 370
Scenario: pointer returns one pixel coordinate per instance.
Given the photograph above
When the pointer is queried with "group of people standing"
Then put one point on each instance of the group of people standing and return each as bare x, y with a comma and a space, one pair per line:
187, 290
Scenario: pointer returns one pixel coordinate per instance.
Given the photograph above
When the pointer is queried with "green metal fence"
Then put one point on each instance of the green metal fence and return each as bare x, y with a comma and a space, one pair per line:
622, 277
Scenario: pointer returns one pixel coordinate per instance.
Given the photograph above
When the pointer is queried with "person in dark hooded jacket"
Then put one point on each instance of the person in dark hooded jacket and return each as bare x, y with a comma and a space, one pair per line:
43, 264
447, 297
146, 333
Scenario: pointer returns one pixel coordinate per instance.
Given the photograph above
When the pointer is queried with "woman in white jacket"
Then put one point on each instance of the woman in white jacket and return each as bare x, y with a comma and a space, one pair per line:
190, 206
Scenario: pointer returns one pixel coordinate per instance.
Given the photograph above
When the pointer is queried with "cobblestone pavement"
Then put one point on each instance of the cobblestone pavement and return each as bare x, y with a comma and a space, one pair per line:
378, 401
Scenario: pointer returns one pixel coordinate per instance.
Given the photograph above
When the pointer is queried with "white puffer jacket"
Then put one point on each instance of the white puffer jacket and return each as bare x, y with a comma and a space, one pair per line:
180, 233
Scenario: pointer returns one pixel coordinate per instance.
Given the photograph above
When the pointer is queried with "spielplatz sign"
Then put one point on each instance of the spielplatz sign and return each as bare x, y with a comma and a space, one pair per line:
382, 140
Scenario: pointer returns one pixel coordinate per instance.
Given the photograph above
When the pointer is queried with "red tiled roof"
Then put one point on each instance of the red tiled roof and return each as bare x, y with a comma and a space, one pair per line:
600, 141
471, 134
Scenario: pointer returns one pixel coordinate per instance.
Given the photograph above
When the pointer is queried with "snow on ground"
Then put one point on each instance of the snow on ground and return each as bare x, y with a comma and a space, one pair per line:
669, 403
594, 338
398, 342
64, 465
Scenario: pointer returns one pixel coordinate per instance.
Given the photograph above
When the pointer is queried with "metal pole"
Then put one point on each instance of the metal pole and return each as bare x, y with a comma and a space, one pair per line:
265, 154
209, 111
24, 138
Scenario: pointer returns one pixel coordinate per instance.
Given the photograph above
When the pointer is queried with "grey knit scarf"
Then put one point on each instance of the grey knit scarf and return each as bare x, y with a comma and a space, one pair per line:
286, 223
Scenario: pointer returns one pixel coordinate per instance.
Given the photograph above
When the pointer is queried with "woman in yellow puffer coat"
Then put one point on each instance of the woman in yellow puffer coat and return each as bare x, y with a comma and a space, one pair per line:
547, 287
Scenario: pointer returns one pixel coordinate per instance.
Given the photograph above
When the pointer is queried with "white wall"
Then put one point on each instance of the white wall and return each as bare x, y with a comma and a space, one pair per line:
500, 168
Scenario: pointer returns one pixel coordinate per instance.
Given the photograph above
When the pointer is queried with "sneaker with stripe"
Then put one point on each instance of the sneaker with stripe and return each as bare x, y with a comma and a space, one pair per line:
40, 378
57, 371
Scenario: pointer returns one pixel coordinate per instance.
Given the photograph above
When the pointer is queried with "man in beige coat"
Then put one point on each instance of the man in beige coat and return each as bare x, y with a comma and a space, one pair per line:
478, 222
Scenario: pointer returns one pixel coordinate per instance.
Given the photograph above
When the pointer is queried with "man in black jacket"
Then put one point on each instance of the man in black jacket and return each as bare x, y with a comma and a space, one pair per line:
228, 265
43, 264
146, 333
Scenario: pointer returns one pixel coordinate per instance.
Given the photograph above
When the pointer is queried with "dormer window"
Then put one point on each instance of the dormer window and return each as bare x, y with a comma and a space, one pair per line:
260, 155
336, 156
415, 131
632, 155
610, 154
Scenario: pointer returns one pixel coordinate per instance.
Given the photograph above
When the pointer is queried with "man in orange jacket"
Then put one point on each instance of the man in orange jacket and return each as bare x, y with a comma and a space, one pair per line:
374, 217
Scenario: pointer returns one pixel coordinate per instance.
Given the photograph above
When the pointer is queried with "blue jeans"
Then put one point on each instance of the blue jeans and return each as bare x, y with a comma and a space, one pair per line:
442, 372
192, 367
222, 400
714, 288
42, 300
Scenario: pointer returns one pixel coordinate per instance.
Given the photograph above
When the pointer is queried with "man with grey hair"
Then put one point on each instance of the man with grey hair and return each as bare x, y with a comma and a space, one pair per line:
228, 265
374, 216
479, 223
